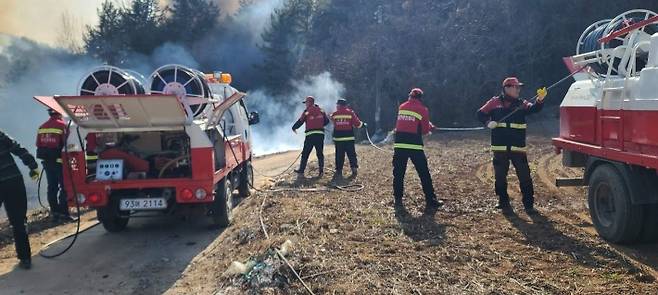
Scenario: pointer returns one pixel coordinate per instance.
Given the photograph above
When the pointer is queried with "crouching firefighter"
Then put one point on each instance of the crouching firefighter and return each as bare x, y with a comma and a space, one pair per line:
13, 195
506, 115
51, 138
345, 120
315, 119
413, 123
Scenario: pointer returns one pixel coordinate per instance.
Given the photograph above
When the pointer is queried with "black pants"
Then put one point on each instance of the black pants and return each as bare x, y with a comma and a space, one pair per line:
342, 148
313, 141
56, 194
14, 198
400, 159
501, 162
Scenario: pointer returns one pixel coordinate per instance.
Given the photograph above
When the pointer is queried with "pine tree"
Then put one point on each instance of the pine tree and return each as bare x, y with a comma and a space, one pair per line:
191, 20
283, 43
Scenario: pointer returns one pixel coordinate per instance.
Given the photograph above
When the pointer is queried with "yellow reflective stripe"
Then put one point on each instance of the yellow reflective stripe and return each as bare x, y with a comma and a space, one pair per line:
502, 148
59, 160
50, 130
512, 125
343, 138
343, 117
314, 132
519, 149
410, 113
407, 146
91, 158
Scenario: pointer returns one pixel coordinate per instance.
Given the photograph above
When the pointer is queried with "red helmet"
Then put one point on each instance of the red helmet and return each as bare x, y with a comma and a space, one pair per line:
511, 81
52, 112
310, 99
416, 93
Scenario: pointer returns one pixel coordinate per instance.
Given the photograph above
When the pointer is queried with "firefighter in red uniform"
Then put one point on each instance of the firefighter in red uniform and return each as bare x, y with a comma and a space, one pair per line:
508, 139
345, 120
412, 124
315, 119
51, 138
13, 195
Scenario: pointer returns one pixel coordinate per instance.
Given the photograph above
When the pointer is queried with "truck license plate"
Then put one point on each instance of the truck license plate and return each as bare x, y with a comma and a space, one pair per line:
143, 204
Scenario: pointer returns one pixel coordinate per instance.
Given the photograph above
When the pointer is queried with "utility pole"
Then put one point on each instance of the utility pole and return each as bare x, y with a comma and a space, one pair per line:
379, 17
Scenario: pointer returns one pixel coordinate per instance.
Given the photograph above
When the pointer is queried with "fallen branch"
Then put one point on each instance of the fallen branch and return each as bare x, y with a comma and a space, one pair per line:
260, 217
294, 271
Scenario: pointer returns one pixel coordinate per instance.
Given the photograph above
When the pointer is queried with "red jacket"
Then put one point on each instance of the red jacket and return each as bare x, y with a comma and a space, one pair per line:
51, 138
314, 118
345, 120
413, 122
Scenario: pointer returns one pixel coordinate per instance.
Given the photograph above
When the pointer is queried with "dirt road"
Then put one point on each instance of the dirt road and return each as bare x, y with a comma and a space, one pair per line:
148, 258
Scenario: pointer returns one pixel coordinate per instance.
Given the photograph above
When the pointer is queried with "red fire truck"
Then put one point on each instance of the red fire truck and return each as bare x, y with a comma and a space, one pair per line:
185, 144
607, 125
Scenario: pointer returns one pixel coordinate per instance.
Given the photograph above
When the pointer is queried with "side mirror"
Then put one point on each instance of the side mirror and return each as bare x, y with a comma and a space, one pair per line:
254, 118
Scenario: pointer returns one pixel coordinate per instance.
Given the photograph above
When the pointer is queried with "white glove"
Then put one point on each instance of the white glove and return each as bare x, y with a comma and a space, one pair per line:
492, 124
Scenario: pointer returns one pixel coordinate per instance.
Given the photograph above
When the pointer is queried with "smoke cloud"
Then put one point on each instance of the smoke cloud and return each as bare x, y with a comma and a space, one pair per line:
274, 133
41, 20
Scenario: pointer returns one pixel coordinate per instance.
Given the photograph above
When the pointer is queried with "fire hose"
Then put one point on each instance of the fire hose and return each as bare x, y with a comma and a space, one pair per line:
77, 203
534, 98
39, 190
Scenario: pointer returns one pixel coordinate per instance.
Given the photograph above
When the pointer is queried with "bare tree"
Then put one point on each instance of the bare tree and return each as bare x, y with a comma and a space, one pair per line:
69, 34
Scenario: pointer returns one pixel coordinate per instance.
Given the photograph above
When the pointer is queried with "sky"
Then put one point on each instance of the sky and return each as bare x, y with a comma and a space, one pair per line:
41, 20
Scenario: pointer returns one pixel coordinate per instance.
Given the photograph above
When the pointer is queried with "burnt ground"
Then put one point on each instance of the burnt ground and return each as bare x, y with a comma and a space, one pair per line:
356, 243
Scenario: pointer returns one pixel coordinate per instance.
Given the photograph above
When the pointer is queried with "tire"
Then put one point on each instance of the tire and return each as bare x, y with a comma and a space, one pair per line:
614, 216
223, 204
246, 180
110, 219
649, 232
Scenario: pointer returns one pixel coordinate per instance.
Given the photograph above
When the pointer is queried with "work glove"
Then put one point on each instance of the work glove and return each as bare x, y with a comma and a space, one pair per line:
492, 124
541, 94
34, 174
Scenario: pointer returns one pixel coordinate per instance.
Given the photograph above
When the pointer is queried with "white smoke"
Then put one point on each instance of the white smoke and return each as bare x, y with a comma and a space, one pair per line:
278, 114
256, 17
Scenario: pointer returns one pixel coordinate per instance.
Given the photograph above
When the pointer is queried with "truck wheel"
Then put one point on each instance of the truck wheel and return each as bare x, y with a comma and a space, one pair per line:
246, 180
110, 219
650, 225
616, 219
223, 204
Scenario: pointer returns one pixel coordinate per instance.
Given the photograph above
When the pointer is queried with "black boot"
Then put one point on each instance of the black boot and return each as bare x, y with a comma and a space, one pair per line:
530, 209
25, 263
434, 203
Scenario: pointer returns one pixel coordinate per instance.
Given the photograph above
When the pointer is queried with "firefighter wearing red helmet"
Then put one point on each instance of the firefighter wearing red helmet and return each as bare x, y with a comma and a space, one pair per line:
51, 138
413, 123
314, 118
508, 139
345, 120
